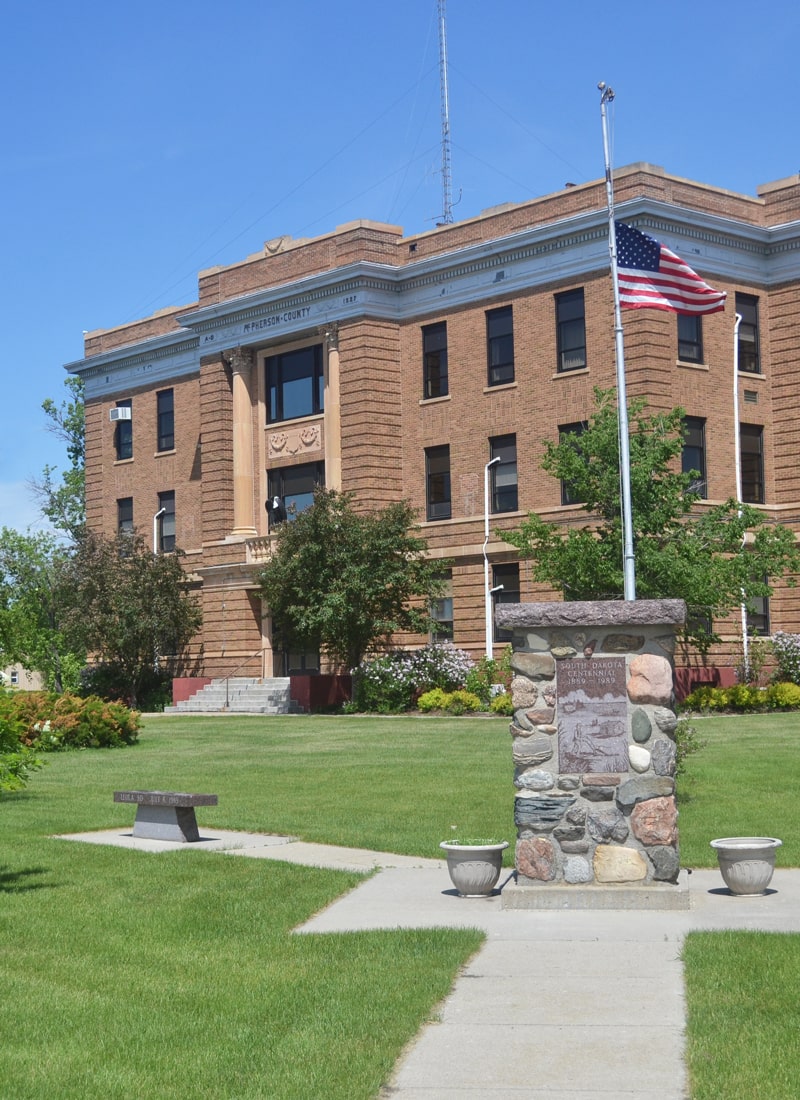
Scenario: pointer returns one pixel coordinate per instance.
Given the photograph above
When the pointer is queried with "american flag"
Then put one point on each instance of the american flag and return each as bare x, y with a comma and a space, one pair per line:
652, 277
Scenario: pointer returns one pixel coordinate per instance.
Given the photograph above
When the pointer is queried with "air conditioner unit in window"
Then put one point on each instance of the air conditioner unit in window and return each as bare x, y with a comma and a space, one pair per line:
123, 412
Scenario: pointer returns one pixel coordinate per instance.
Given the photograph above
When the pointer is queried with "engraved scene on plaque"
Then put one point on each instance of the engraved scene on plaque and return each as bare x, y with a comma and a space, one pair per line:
592, 715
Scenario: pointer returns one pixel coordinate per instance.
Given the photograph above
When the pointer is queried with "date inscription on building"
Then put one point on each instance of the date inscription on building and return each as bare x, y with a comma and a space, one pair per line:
592, 715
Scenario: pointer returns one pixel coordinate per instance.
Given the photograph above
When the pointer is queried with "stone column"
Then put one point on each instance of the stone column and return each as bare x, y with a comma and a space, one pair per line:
241, 364
333, 412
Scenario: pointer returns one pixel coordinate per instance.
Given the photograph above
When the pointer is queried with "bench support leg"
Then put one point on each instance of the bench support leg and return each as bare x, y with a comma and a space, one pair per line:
166, 823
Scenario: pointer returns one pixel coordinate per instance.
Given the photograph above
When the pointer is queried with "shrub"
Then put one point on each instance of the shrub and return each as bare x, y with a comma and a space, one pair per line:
392, 683
784, 696
687, 743
744, 698
462, 702
16, 761
110, 682
48, 722
487, 672
432, 700
502, 704
786, 648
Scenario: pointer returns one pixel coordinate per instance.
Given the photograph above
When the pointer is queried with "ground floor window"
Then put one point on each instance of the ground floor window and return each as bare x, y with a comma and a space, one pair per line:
506, 576
441, 612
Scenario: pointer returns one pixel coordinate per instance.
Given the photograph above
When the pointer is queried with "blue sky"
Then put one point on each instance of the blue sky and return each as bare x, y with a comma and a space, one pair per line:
144, 142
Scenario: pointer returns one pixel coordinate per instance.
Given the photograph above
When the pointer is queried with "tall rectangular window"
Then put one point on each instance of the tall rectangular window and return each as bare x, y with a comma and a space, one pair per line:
165, 402
693, 456
504, 473
167, 521
123, 433
500, 345
295, 384
571, 330
291, 490
751, 445
749, 358
437, 482
125, 516
758, 616
434, 361
508, 577
571, 433
690, 338
441, 612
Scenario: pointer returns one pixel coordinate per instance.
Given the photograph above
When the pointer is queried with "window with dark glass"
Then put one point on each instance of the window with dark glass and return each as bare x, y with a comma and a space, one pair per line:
123, 434
441, 612
571, 330
571, 433
504, 473
500, 345
295, 384
693, 456
291, 490
749, 358
751, 450
437, 482
167, 521
165, 402
434, 361
690, 338
506, 576
757, 612
125, 516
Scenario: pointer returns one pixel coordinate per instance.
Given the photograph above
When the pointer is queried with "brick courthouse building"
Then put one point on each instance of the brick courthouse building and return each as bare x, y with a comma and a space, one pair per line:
398, 367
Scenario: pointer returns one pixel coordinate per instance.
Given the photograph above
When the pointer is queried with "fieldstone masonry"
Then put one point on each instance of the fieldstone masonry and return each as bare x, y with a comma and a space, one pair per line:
593, 742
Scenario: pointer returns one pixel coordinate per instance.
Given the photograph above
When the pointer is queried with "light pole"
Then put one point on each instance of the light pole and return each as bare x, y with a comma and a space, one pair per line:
487, 589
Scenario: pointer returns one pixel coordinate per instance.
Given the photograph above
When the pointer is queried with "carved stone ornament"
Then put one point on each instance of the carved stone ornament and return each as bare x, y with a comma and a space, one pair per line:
295, 441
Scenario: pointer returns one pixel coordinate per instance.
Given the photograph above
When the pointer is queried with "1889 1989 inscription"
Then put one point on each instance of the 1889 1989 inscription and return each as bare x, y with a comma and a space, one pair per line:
592, 715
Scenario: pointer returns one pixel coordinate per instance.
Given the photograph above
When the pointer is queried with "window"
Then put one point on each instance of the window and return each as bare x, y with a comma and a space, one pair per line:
434, 361
693, 456
500, 345
749, 359
125, 516
751, 445
690, 338
504, 473
508, 577
758, 615
295, 384
15, 676
291, 490
437, 482
166, 420
441, 612
571, 433
571, 330
167, 521
123, 434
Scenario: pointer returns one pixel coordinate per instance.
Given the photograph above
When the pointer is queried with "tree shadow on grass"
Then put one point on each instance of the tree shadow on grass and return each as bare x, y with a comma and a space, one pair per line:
15, 882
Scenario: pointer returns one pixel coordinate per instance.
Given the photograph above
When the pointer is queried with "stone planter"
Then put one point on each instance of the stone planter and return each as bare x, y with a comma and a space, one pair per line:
746, 862
474, 868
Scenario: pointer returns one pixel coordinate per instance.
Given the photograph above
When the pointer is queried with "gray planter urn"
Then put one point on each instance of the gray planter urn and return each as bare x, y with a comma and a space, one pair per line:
746, 862
474, 868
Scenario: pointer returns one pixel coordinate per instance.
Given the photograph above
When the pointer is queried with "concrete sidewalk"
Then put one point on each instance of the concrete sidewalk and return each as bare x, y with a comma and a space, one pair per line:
566, 1004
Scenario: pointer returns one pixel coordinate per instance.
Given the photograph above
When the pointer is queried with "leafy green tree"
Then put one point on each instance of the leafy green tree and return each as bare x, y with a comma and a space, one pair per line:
710, 557
345, 581
34, 604
131, 609
63, 500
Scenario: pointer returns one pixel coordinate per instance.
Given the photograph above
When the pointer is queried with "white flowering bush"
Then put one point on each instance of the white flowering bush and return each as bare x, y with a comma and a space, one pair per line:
394, 681
787, 653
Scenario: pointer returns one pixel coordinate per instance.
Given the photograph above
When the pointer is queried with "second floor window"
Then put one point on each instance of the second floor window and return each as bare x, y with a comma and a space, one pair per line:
295, 384
504, 473
749, 358
167, 521
690, 338
123, 434
437, 483
500, 345
751, 445
165, 403
693, 456
571, 433
434, 361
291, 490
571, 330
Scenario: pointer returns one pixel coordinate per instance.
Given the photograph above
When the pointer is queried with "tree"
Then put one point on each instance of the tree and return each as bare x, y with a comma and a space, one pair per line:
345, 581
63, 503
711, 557
33, 607
132, 609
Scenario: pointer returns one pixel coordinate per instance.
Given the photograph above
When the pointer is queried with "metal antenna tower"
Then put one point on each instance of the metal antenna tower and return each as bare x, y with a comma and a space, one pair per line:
447, 197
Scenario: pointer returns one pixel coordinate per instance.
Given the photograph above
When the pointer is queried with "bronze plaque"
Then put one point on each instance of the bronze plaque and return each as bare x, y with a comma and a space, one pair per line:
592, 715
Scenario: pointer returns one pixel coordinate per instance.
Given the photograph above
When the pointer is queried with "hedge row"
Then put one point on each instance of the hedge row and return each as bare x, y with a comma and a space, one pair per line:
48, 722
744, 698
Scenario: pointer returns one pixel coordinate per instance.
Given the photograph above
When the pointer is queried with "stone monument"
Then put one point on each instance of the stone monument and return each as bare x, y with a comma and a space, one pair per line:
593, 746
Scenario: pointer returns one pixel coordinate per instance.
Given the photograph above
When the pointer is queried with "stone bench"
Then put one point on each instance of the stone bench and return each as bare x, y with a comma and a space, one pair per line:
165, 815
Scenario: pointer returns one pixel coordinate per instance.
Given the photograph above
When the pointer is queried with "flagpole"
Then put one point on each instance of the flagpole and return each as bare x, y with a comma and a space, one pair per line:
628, 561
737, 443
